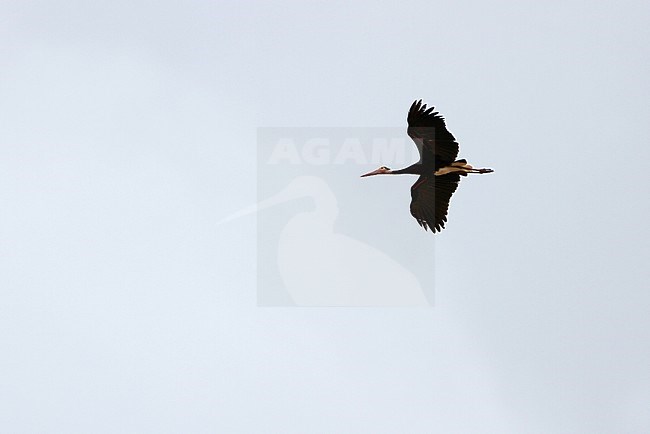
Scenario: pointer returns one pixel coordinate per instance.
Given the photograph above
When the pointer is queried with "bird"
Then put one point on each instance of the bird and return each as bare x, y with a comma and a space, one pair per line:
439, 171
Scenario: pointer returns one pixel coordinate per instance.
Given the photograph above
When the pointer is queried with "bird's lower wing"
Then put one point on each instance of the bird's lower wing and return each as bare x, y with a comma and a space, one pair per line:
430, 197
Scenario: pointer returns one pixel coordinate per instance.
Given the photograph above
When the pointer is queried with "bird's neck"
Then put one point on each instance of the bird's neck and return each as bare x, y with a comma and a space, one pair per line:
413, 169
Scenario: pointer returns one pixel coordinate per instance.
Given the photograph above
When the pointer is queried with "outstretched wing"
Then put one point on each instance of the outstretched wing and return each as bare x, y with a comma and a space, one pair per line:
430, 197
427, 128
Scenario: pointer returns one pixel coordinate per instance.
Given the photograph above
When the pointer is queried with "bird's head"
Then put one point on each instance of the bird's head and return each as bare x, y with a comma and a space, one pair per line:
383, 170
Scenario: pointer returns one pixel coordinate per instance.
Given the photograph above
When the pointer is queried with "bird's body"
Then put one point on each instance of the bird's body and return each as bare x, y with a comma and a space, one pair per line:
438, 168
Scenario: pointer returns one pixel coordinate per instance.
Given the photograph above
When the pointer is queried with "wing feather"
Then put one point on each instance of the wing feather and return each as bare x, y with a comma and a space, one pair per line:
430, 197
428, 130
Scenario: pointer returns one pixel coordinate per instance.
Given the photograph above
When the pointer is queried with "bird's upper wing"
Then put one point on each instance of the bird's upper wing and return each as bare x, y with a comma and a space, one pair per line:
428, 130
430, 199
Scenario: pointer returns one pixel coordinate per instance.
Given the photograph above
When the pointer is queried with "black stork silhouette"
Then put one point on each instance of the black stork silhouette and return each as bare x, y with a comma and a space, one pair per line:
438, 168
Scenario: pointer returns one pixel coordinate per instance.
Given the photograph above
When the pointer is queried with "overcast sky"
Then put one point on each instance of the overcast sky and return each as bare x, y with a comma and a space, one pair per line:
129, 130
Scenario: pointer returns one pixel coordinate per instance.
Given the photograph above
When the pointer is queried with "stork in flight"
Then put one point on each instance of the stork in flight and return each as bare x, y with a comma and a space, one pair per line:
438, 168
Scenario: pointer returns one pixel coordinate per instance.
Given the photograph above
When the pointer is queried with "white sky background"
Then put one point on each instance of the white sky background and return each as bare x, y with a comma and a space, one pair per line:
127, 130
